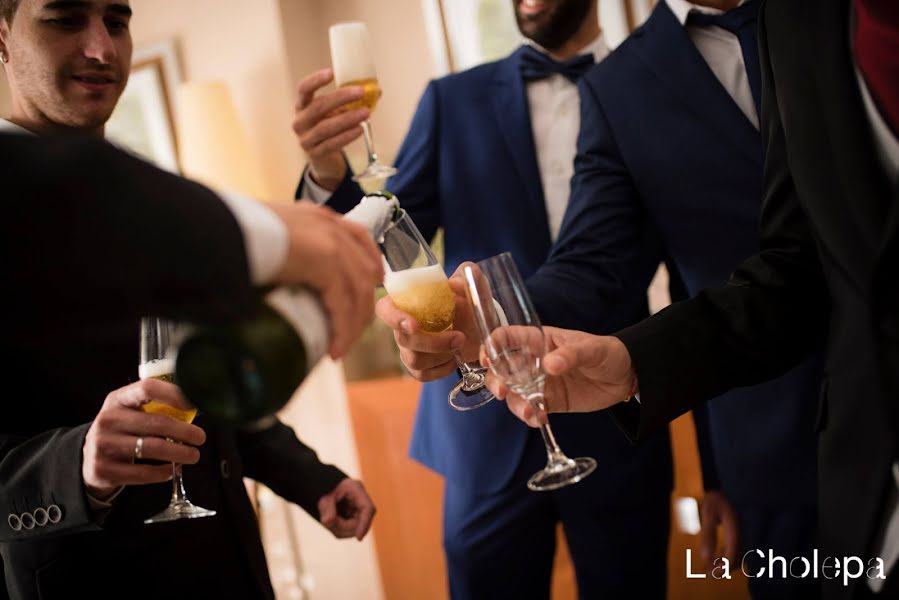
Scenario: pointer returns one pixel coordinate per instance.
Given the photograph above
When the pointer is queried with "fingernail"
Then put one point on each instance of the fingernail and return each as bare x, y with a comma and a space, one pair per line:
405, 327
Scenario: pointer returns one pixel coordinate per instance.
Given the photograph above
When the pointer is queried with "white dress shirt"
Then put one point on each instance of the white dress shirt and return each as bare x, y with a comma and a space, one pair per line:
555, 110
264, 233
721, 51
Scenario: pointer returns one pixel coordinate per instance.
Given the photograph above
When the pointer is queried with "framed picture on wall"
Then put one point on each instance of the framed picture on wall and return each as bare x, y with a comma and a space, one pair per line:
143, 121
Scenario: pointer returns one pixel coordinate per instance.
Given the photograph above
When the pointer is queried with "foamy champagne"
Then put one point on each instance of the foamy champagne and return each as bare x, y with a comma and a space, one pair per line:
425, 294
163, 369
353, 63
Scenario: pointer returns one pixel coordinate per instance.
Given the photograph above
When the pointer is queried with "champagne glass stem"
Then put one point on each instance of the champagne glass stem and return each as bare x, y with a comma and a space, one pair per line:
554, 454
369, 142
472, 378
178, 493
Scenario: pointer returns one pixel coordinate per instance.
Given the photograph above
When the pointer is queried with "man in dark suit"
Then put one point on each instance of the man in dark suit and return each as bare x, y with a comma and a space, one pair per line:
826, 271
488, 158
74, 499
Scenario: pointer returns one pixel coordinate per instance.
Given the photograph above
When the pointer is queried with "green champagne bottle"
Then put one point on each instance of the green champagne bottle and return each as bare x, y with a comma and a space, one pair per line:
245, 371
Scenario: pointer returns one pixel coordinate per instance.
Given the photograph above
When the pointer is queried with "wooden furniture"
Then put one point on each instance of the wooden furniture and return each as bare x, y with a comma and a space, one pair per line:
407, 528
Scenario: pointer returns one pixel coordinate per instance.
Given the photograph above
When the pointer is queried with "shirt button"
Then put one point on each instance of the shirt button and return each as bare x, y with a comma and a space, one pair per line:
225, 468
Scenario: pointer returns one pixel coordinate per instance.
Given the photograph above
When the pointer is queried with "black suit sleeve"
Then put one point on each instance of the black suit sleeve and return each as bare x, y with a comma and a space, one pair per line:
50, 461
771, 313
276, 458
344, 198
103, 235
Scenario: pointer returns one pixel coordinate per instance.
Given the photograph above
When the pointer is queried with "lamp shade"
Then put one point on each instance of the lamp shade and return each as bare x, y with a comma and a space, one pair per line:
213, 146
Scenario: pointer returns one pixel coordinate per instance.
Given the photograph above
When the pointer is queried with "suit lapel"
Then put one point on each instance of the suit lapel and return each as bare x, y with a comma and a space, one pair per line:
664, 46
857, 168
510, 106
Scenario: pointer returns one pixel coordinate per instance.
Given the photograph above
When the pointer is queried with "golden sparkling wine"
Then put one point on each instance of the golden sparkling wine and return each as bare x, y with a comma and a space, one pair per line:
371, 94
163, 370
425, 294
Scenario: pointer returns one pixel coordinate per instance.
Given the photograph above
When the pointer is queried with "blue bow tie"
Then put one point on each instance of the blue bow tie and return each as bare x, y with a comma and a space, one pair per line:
536, 65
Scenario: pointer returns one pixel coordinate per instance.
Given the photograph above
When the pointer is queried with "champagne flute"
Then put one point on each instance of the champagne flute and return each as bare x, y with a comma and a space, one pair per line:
417, 285
156, 361
513, 345
353, 65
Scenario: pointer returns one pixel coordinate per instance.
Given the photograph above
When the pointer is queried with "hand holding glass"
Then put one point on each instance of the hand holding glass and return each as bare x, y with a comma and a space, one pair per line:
157, 362
512, 344
418, 286
353, 65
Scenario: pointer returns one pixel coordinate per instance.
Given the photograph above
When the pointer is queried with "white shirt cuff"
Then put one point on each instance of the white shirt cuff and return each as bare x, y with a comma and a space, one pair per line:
313, 191
264, 233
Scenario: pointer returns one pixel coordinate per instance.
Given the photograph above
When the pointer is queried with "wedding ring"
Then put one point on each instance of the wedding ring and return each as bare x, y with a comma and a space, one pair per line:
139, 448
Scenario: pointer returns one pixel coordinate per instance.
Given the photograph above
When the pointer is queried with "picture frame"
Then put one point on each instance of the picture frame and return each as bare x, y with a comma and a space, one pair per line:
143, 121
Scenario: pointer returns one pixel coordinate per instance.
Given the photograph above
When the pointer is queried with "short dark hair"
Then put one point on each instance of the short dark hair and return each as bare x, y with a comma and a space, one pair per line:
8, 9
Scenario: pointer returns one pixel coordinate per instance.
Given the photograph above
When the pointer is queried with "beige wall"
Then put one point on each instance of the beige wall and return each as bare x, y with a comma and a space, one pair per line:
241, 43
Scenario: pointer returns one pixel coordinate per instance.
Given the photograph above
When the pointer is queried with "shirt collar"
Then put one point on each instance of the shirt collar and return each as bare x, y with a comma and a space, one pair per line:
683, 8
598, 48
10, 127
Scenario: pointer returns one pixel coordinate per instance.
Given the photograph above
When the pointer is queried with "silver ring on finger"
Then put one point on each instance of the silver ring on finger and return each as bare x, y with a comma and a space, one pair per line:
139, 448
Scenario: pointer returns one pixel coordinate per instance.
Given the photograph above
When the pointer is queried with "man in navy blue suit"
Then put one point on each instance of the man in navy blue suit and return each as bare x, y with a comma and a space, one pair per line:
670, 140
670, 158
488, 158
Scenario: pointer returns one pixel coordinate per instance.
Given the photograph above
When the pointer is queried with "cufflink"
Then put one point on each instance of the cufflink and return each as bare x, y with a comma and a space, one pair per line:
54, 513
27, 520
15, 523
40, 516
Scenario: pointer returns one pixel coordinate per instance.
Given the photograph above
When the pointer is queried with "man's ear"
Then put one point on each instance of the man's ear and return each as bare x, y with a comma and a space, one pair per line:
4, 35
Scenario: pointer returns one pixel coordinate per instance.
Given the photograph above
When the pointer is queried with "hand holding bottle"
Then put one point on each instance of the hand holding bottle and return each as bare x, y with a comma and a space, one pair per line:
336, 258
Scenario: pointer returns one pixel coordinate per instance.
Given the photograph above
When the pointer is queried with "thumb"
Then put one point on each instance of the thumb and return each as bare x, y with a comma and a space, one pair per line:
327, 510
573, 355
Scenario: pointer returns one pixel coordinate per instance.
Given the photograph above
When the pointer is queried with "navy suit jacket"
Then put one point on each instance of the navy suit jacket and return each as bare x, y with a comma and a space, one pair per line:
468, 164
664, 151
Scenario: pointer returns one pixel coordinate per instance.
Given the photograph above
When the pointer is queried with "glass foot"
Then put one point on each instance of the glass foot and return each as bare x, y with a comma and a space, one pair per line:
462, 400
560, 474
469, 392
374, 171
180, 510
